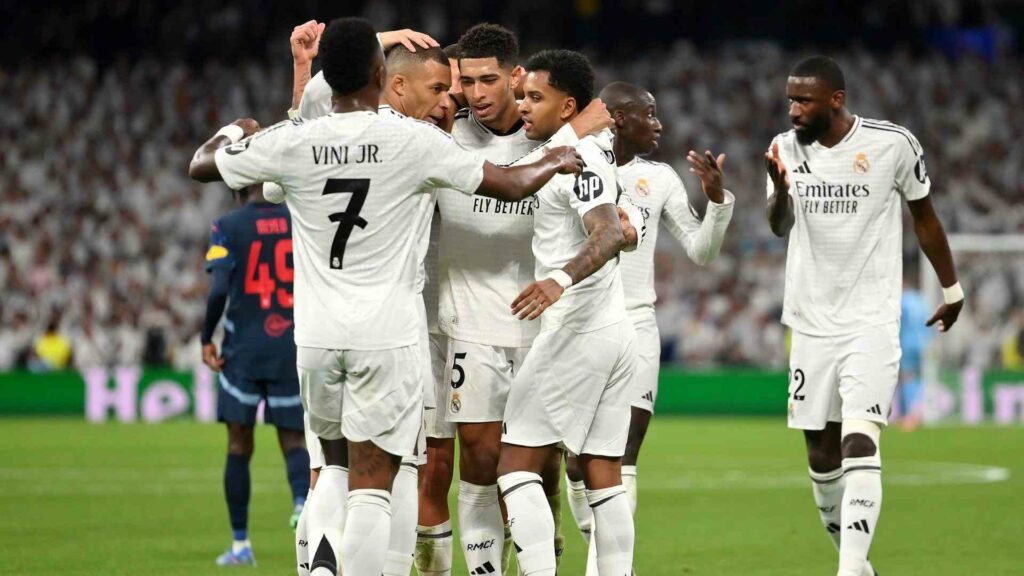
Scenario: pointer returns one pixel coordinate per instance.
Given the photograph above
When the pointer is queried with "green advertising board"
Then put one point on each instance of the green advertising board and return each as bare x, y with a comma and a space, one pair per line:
131, 394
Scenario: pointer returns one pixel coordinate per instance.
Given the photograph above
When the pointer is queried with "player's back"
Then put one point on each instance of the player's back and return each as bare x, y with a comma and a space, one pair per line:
353, 183
255, 242
844, 267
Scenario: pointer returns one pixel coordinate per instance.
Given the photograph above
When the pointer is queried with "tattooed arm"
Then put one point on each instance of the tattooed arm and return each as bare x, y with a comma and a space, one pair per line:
604, 241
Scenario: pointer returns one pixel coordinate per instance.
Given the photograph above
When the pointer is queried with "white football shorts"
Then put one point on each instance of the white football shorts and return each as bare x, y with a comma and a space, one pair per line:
434, 419
573, 391
363, 395
644, 388
481, 377
836, 378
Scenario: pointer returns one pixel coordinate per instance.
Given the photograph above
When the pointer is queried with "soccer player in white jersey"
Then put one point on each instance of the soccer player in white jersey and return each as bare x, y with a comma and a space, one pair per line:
659, 193
485, 260
572, 389
418, 78
835, 182
353, 182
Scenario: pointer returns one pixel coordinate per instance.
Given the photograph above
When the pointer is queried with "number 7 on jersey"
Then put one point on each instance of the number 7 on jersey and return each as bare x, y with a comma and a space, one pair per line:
349, 219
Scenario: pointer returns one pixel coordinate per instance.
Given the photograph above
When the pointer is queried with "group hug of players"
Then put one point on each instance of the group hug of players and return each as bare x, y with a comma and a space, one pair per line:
470, 242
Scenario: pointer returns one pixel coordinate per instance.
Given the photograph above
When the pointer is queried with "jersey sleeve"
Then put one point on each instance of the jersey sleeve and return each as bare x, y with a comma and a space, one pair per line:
219, 255
597, 184
445, 164
702, 240
254, 159
316, 98
911, 176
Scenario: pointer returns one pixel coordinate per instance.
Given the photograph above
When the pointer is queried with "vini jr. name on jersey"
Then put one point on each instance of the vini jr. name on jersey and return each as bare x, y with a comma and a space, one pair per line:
362, 154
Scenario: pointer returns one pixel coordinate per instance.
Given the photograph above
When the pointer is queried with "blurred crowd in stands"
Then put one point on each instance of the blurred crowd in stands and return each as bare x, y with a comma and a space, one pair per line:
102, 234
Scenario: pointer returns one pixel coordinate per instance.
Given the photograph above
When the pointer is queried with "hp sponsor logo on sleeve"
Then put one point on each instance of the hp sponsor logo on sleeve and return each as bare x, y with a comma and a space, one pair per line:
588, 186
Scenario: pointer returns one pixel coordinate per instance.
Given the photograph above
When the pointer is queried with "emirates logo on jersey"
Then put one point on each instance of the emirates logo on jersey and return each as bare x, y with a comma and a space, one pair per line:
860, 163
276, 325
643, 188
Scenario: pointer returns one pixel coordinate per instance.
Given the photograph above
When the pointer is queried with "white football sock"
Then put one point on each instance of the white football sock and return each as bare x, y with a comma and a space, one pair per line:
613, 530
301, 539
434, 550
325, 520
404, 509
580, 507
364, 544
629, 483
481, 529
828, 497
862, 503
533, 528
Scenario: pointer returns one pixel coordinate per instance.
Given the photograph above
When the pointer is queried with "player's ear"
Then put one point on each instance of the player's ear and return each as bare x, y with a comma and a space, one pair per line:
398, 84
838, 99
569, 108
518, 73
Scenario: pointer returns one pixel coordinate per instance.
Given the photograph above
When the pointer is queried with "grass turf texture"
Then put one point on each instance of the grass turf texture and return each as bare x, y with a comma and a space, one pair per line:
717, 497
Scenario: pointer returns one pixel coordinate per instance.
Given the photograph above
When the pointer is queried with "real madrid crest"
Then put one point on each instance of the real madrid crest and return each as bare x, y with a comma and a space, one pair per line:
456, 403
642, 188
860, 163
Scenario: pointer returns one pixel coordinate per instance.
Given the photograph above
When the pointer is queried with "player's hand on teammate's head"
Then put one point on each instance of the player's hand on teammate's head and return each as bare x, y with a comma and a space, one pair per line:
592, 119
305, 41
248, 126
709, 170
776, 169
945, 316
212, 358
408, 38
536, 298
568, 159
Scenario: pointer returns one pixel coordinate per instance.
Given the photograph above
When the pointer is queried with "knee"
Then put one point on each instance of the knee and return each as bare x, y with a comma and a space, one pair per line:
822, 460
240, 440
860, 439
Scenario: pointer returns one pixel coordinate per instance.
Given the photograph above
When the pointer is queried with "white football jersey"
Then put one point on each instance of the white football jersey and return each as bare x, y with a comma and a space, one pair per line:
316, 98
316, 102
355, 184
486, 257
844, 268
559, 234
660, 195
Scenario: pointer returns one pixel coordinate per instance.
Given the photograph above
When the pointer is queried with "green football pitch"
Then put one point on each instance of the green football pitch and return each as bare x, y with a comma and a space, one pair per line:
718, 496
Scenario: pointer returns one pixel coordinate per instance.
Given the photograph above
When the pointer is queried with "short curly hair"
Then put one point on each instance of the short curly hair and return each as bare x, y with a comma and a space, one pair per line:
347, 49
568, 71
490, 41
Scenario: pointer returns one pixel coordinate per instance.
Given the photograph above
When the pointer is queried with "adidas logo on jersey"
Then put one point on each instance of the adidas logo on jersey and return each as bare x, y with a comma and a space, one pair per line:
649, 396
860, 526
486, 568
876, 409
803, 168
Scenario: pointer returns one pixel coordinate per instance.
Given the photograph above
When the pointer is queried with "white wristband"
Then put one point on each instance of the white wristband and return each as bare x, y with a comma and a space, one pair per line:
233, 132
563, 279
953, 294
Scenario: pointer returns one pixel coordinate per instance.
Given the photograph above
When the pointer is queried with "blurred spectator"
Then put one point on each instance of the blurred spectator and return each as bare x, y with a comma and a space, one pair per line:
51, 351
100, 215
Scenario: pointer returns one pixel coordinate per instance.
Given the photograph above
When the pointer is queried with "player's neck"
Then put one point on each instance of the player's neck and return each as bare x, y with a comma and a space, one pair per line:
367, 99
509, 119
391, 99
624, 153
841, 126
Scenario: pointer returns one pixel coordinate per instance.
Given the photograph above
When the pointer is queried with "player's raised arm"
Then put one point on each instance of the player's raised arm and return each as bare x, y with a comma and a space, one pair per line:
305, 44
780, 204
513, 183
203, 166
702, 239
